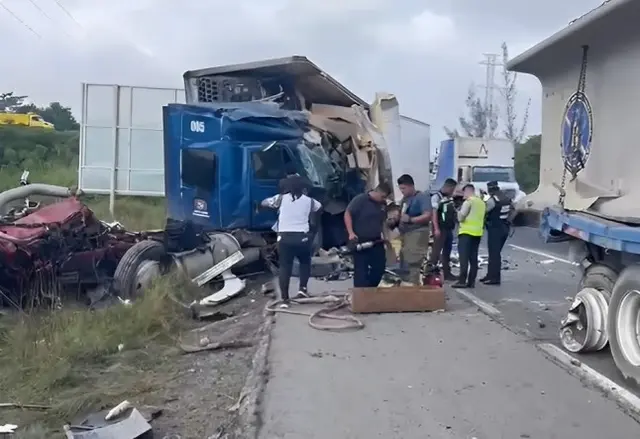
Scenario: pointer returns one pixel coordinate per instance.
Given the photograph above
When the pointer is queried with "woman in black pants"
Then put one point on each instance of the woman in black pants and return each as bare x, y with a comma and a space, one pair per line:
295, 210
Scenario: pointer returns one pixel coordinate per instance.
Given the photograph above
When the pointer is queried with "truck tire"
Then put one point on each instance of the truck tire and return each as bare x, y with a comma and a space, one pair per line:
125, 278
600, 277
622, 323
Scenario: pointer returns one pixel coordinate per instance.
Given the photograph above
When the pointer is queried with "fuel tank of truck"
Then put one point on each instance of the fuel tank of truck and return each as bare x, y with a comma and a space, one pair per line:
590, 92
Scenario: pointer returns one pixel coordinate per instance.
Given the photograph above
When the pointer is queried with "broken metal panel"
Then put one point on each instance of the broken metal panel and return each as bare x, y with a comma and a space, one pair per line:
607, 182
295, 74
131, 425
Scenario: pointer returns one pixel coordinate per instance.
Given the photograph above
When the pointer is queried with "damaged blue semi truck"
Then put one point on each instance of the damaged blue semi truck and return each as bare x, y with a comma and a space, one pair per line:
242, 130
246, 127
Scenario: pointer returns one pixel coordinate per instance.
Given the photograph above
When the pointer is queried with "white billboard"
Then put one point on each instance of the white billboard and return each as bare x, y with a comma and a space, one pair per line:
121, 144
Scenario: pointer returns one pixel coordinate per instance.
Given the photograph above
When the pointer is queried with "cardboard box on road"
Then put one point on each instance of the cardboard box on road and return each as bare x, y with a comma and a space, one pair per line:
397, 299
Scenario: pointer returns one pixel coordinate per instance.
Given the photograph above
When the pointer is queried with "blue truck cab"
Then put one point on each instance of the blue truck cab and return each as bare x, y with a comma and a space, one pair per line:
245, 128
222, 160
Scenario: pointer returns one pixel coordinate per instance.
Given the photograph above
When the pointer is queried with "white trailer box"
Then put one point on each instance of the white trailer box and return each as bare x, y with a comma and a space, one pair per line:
408, 141
592, 131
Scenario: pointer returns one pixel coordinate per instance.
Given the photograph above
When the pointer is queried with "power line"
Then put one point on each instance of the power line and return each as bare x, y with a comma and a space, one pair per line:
35, 5
20, 20
66, 11
42, 11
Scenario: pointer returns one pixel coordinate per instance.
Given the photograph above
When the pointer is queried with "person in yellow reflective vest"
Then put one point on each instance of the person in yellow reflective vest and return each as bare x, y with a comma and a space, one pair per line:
471, 218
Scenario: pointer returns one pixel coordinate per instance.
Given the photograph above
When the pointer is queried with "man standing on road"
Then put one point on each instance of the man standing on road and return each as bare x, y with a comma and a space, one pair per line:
471, 219
364, 220
500, 212
444, 224
415, 210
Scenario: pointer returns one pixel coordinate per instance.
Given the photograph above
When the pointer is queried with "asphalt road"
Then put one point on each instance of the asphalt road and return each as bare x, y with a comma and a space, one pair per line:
536, 293
455, 374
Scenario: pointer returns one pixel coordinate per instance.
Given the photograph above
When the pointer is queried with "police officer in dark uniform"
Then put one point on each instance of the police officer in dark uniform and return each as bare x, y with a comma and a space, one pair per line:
444, 225
500, 213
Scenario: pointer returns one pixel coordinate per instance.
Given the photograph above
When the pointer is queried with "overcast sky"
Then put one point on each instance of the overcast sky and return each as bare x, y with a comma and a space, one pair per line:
427, 52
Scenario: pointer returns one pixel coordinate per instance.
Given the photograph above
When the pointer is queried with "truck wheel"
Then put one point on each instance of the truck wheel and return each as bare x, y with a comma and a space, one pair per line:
584, 329
138, 267
600, 277
623, 323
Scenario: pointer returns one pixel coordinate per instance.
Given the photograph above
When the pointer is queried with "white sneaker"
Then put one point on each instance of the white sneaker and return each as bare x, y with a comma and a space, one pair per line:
302, 294
284, 306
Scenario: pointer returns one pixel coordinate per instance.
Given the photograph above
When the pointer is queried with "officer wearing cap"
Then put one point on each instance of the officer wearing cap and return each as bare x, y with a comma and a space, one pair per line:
500, 213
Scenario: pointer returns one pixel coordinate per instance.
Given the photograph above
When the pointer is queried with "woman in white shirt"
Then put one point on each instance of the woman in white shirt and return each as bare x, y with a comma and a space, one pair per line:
293, 227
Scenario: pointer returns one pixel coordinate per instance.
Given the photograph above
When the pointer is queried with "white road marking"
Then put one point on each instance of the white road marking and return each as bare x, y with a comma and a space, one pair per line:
622, 396
543, 254
484, 306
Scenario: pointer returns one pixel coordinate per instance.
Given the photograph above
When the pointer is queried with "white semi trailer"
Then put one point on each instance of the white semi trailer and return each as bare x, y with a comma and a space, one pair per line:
589, 191
477, 161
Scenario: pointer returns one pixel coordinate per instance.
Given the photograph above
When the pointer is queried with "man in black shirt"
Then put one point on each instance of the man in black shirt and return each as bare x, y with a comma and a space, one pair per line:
364, 220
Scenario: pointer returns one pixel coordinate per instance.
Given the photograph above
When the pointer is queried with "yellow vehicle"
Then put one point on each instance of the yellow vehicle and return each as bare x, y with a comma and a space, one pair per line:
28, 119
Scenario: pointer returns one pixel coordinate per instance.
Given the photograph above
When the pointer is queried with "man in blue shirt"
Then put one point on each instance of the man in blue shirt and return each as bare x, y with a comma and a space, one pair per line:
414, 226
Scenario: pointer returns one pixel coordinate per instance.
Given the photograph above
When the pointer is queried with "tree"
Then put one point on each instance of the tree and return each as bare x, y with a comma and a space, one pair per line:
512, 131
9, 101
480, 122
527, 163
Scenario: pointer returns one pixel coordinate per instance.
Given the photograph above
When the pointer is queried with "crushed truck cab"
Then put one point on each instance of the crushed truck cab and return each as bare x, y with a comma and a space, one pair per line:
589, 183
223, 160
245, 127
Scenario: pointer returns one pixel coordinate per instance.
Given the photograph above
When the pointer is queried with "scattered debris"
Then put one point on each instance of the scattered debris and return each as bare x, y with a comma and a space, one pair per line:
8, 429
124, 422
118, 410
206, 345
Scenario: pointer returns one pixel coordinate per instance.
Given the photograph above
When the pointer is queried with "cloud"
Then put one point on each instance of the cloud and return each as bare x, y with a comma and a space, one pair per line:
424, 32
425, 52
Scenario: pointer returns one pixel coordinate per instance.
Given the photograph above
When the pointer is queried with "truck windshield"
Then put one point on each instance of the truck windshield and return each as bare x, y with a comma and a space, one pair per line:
316, 162
493, 173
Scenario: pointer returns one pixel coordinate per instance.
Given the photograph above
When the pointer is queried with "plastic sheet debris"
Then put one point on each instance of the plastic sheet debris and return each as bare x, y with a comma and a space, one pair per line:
8, 429
124, 423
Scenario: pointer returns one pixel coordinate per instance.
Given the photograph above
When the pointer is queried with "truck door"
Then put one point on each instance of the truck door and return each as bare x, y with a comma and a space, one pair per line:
198, 186
268, 166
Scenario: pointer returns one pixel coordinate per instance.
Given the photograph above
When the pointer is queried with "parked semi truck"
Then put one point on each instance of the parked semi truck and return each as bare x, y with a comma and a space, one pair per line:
478, 161
589, 181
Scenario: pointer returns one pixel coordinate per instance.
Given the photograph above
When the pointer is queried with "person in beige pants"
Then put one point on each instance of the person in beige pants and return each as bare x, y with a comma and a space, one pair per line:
414, 226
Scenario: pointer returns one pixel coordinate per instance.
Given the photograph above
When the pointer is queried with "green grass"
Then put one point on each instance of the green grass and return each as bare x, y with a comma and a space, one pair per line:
76, 360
